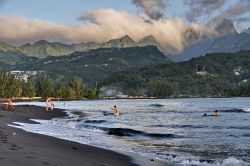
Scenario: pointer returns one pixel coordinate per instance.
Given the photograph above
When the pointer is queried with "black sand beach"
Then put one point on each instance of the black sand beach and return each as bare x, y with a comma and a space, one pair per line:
20, 148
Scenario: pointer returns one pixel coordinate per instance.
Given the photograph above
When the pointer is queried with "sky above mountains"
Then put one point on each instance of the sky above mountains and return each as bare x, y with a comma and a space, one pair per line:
24, 21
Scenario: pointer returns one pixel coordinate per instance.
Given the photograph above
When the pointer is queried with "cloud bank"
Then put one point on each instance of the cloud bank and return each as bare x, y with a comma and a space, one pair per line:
99, 26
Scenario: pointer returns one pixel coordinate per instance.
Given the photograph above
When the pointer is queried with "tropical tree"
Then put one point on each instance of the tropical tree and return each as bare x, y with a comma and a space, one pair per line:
28, 89
60, 90
44, 86
77, 86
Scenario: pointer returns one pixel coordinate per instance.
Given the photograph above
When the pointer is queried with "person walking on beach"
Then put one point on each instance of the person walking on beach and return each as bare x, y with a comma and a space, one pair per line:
116, 110
10, 104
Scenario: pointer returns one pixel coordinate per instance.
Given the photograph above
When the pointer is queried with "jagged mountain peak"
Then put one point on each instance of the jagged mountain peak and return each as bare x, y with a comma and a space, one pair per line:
124, 38
41, 42
26, 45
2, 43
125, 41
226, 26
150, 38
6, 47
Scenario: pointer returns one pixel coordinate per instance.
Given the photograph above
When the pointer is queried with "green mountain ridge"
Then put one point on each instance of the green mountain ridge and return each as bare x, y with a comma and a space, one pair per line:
5, 47
44, 48
12, 55
10, 58
98, 64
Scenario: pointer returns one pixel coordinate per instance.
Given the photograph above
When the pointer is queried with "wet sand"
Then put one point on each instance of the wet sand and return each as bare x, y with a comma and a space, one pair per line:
21, 148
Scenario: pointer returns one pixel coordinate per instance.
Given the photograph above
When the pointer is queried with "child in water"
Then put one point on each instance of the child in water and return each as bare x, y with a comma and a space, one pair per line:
52, 106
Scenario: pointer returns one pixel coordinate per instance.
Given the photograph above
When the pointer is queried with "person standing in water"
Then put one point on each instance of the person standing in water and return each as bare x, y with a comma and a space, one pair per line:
10, 104
116, 110
48, 104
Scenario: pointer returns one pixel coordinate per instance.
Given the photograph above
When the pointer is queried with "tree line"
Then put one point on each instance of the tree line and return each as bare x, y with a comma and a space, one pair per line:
192, 86
44, 86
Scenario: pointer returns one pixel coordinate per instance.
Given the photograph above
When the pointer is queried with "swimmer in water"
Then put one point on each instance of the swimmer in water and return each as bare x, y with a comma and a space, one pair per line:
216, 113
116, 110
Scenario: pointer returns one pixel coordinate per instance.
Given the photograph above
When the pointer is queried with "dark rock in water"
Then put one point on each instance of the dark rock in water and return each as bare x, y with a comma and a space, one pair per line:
152, 160
119, 132
106, 113
156, 105
80, 114
234, 110
131, 132
95, 121
209, 161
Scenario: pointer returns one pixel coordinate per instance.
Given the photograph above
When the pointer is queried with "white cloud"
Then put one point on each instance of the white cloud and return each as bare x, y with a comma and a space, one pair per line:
99, 26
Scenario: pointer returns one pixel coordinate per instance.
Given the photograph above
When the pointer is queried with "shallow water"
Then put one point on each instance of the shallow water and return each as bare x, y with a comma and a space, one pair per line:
172, 130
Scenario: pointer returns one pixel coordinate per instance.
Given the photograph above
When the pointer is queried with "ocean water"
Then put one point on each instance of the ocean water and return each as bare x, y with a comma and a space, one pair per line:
172, 130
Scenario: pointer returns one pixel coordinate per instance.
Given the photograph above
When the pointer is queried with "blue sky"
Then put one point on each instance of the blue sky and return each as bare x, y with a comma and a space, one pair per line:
63, 11
66, 11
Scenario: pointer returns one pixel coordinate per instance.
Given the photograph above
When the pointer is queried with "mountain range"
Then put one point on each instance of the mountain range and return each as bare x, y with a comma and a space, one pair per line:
228, 41
97, 61
42, 49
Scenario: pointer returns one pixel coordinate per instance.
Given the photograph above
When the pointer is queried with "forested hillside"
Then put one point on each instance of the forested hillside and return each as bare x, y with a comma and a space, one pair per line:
96, 65
218, 74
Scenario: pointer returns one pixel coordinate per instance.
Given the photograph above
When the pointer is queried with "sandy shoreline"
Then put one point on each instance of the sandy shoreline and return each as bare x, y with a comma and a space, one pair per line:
23, 148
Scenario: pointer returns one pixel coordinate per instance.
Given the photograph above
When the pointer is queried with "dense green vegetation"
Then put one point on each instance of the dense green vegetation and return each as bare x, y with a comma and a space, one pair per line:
74, 76
224, 75
44, 86
123, 71
96, 65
